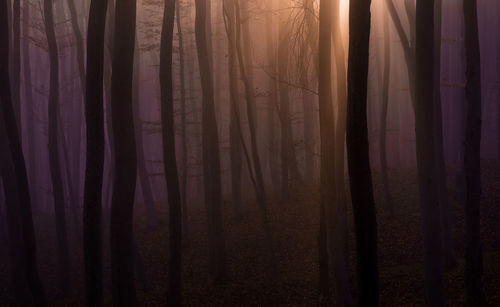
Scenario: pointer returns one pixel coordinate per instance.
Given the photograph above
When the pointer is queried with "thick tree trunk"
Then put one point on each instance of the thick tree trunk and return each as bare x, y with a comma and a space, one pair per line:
424, 126
169, 157
94, 114
8, 118
125, 157
358, 154
472, 159
210, 149
54, 158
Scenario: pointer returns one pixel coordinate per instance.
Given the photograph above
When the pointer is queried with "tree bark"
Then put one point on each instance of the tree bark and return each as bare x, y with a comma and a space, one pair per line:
94, 114
472, 159
210, 149
358, 153
424, 126
125, 172
174, 293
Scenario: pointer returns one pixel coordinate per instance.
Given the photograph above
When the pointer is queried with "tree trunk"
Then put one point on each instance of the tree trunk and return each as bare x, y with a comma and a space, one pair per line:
125, 172
234, 94
210, 149
472, 159
358, 154
184, 167
169, 157
424, 127
8, 118
144, 181
94, 114
16, 63
54, 159
383, 116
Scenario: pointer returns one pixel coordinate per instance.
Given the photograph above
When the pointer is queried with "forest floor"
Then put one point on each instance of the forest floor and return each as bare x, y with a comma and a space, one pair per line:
294, 280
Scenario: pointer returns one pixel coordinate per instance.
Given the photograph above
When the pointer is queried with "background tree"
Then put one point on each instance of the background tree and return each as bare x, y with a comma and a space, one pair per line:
169, 156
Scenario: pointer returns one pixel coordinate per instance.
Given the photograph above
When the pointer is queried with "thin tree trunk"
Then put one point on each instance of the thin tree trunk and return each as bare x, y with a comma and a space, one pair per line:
472, 159
383, 116
234, 94
358, 154
210, 149
16, 63
144, 181
182, 76
94, 171
54, 158
125, 172
424, 126
174, 293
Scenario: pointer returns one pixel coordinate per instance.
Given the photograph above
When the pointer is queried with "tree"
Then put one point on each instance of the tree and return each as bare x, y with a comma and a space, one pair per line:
94, 114
358, 153
125, 171
383, 115
54, 159
234, 105
169, 156
472, 159
424, 128
210, 149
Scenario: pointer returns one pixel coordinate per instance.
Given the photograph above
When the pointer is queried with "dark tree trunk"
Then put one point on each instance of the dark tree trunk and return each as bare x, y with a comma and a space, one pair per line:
8, 119
272, 100
174, 293
182, 76
28, 95
210, 149
327, 130
234, 94
21, 291
358, 154
16, 63
54, 158
94, 114
472, 159
449, 258
424, 126
125, 157
383, 116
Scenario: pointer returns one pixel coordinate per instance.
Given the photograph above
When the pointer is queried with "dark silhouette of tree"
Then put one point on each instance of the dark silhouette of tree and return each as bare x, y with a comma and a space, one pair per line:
54, 157
210, 148
234, 94
169, 156
327, 131
472, 159
8, 119
358, 153
94, 114
424, 127
125, 156
16, 63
